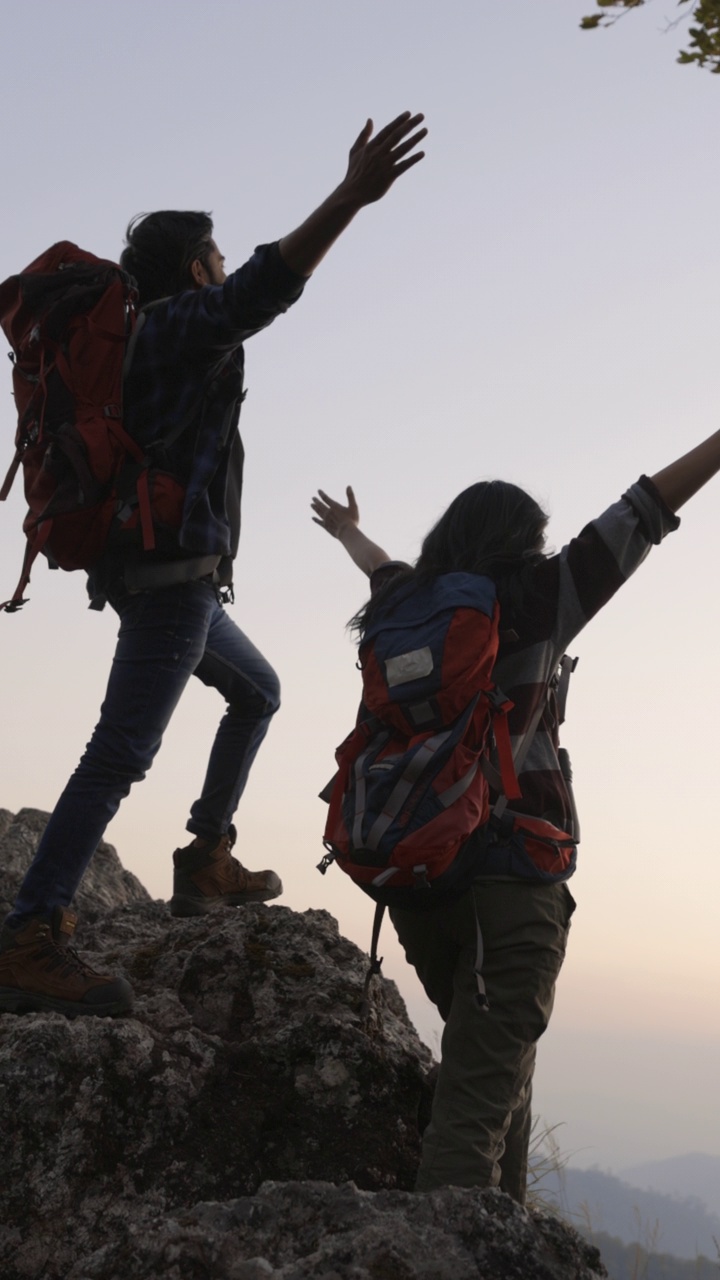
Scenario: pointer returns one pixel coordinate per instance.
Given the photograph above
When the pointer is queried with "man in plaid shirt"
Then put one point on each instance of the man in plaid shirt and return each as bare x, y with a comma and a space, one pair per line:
184, 383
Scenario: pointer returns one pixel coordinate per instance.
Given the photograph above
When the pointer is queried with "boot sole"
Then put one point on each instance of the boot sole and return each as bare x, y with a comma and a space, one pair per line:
181, 905
13, 1001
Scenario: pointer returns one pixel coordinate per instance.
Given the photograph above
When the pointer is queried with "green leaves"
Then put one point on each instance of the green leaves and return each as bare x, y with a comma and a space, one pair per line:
703, 39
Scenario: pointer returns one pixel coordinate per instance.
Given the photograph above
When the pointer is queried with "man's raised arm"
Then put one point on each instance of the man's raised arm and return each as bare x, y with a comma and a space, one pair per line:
374, 165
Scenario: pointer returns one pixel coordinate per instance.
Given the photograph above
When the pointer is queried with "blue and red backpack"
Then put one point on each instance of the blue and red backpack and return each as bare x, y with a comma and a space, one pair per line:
410, 786
414, 776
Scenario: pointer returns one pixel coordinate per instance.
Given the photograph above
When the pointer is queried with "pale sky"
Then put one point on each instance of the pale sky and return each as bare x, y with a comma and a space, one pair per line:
537, 300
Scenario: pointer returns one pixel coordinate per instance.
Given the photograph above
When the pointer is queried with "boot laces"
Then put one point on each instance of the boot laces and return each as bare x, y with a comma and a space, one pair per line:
56, 956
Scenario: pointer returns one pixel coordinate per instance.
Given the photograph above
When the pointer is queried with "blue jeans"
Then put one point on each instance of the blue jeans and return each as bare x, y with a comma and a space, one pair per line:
165, 636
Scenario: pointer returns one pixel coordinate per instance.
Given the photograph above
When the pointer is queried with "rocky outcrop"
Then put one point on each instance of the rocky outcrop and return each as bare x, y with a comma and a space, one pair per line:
294, 1231
248, 1120
106, 883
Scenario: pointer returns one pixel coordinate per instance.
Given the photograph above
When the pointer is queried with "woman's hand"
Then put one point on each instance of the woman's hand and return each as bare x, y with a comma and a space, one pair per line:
344, 524
332, 515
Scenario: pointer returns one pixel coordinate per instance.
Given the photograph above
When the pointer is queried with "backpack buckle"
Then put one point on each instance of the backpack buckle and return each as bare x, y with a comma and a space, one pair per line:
421, 878
327, 861
497, 699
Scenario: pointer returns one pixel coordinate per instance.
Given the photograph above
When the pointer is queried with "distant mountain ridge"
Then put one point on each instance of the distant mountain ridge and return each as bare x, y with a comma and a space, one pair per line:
697, 1174
596, 1202
632, 1261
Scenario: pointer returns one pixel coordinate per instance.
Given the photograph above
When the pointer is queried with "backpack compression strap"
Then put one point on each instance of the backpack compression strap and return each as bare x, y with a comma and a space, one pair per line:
507, 781
12, 472
32, 551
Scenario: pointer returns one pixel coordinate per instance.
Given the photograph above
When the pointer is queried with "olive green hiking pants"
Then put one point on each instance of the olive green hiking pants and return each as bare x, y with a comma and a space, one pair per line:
479, 1131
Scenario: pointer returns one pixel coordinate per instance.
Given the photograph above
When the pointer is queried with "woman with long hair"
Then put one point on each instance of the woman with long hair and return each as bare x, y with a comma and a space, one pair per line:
479, 1130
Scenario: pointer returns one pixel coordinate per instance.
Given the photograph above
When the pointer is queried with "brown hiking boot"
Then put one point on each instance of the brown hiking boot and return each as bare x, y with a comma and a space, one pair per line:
210, 877
40, 971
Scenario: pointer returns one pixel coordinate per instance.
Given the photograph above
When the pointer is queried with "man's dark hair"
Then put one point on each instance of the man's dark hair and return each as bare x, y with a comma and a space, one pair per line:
160, 249
493, 527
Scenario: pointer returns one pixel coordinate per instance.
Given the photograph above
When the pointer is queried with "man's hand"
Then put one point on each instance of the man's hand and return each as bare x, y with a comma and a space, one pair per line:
332, 515
375, 163
373, 166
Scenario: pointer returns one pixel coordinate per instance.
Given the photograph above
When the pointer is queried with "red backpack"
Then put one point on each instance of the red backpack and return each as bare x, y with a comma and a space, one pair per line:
69, 317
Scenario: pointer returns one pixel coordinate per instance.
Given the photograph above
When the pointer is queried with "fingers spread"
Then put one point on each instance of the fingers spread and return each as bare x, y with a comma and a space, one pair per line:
398, 128
407, 164
409, 143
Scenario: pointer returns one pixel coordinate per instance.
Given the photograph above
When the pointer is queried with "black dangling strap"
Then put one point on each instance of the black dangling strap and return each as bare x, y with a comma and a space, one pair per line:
375, 961
483, 1002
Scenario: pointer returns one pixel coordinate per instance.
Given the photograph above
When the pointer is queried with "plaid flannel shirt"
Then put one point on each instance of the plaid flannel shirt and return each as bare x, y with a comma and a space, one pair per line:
189, 353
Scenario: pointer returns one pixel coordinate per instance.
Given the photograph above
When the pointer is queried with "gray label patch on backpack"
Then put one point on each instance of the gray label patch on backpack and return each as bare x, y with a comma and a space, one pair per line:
408, 666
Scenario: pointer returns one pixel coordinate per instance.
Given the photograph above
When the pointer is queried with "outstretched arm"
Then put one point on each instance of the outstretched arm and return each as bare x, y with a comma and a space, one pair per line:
373, 167
682, 479
343, 523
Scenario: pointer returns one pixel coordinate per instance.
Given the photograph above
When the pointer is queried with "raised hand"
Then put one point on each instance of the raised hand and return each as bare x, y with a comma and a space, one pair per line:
343, 523
332, 515
373, 166
376, 162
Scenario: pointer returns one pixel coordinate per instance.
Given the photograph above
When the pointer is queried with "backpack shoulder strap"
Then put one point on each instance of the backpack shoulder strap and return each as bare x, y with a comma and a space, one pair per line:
560, 683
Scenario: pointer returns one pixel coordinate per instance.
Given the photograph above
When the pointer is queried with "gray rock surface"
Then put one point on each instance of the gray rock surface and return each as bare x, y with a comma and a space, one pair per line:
294, 1231
247, 1121
106, 883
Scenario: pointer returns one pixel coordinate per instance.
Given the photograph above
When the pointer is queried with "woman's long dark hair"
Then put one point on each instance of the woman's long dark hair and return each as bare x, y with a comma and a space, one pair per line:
492, 527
